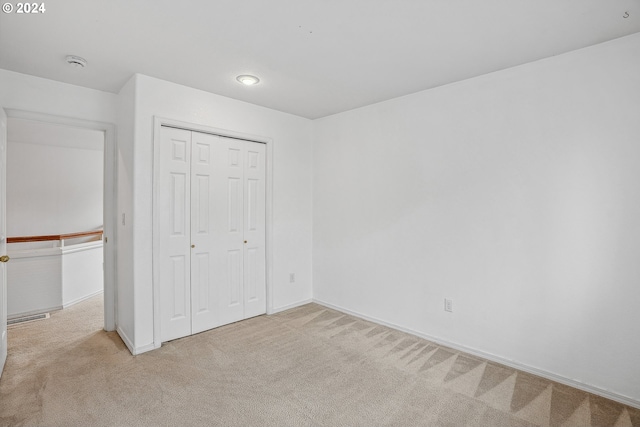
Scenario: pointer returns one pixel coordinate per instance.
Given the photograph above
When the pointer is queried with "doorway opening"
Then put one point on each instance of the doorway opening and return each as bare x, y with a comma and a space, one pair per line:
60, 177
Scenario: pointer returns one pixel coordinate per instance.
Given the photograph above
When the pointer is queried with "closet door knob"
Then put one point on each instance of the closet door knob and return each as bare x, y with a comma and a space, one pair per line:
5, 258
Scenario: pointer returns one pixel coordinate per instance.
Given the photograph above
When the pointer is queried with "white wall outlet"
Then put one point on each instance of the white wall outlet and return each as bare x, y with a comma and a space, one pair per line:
448, 305
292, 277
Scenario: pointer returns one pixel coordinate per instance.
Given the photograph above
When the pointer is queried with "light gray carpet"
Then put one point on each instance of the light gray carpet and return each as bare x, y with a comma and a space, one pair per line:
308, 366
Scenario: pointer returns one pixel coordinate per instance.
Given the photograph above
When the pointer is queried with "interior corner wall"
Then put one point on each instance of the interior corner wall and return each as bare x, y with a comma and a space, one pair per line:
125, 315
515, 194
292, 161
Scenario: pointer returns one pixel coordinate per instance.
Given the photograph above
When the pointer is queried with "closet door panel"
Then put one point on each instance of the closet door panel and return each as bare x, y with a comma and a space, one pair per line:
211, 201
254, 229
228, 229
204, 296
174, 233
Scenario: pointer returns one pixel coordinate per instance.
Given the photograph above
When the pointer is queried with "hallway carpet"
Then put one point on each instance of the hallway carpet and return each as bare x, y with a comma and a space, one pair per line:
309, 366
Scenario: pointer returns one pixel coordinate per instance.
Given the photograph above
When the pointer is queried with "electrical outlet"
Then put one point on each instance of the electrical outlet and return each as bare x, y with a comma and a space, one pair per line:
448, 305
292, 277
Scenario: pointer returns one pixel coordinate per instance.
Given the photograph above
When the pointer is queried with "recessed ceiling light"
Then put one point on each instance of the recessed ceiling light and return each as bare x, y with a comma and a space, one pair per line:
248, 80
76, 61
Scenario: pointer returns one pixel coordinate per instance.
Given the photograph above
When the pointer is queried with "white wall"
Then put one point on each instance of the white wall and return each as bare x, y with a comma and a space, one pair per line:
516, 194
34, 282
35, 94
124, 255
52, 189
47, 279
82, 275
292, 186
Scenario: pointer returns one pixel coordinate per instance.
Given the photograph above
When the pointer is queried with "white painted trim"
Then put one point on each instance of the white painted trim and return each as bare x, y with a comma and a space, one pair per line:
129, 344
35, 253
158, 122
35, 312
84, 298
109, 197
155, 232
81, 247
4, 145
57, 251
144, 349
269, 225
290, 306
492, 357
125, 339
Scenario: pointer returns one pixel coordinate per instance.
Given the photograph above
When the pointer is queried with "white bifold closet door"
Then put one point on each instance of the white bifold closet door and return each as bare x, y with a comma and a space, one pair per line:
211, 201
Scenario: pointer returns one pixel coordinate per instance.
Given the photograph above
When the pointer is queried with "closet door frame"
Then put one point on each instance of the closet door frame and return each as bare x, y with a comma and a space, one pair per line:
162, 121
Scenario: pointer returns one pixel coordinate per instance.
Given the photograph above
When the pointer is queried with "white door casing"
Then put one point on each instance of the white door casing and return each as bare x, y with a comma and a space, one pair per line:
211, 205
3, 238
110, 197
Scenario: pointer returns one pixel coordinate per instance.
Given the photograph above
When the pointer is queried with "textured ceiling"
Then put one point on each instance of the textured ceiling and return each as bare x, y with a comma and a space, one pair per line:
314, 58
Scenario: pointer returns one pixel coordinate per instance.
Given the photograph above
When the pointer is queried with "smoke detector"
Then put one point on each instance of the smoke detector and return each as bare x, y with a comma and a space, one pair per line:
76, 61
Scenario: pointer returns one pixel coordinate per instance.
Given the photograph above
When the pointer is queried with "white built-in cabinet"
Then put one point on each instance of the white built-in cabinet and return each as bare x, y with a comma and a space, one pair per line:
211, 231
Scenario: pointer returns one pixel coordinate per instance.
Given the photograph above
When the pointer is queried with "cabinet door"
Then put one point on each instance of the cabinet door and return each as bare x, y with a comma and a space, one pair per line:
174, 240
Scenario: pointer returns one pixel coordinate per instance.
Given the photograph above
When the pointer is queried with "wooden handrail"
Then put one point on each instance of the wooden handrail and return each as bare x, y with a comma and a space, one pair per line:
23, 239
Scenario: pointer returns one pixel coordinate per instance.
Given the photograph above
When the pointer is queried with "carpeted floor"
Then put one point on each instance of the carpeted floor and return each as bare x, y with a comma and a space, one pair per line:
308, 366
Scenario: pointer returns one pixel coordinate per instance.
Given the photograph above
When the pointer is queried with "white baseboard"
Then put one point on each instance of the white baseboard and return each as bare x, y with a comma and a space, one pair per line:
125, 339
290, 306
34, 312
145, 348
86, 297
132, 349
494, 358
55, 308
